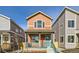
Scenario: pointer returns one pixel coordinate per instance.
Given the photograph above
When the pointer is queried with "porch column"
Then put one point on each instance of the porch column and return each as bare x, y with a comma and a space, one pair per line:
53, 38
29, 39
25, 40
39, 40
9, 38
1, 39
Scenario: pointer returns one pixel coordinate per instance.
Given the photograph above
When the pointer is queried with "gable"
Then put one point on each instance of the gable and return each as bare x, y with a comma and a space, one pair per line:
43, 14
39, 17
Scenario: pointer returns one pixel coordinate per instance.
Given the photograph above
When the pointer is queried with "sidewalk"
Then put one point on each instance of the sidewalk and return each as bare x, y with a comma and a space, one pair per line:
35, 50
17, 51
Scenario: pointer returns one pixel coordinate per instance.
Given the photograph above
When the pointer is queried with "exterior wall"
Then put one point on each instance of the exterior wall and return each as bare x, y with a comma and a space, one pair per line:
8, 25
17, 35
4, 27
19, 31
5, 44
48, 22
59, 29
47, 26
56, 31
4, 23
70, 31
62, 30
77, 22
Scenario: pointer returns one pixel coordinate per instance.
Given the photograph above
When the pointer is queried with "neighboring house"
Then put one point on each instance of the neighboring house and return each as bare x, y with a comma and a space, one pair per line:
10, 33
66, 29
39, 31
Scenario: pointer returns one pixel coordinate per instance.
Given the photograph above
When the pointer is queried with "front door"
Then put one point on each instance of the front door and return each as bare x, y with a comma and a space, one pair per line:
46, 41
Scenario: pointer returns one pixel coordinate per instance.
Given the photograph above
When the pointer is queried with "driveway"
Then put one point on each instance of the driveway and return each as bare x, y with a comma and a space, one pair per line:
76, 50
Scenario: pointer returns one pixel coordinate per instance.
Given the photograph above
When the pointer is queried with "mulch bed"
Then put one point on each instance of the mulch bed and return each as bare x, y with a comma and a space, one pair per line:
76, 50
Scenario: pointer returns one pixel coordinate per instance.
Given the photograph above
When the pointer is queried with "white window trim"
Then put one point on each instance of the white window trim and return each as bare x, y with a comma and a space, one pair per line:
36, 23
71, 35
74, 23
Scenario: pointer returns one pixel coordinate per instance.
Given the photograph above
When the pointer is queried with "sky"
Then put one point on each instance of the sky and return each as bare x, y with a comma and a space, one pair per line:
19, 14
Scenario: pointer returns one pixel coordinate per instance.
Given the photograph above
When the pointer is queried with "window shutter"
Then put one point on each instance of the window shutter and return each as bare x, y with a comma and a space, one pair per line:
43, 24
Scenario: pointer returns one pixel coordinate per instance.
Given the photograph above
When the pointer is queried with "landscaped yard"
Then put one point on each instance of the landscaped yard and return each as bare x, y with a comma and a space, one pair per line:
76, 50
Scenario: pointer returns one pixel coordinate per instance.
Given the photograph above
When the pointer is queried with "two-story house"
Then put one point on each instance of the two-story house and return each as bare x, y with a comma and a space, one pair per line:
11, 34
66, 29
39, 31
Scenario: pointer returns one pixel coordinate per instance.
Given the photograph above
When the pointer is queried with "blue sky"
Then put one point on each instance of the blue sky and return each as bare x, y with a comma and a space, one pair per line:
20, 13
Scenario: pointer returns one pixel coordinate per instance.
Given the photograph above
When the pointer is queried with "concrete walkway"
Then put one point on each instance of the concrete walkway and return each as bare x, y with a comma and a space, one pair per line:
40, 50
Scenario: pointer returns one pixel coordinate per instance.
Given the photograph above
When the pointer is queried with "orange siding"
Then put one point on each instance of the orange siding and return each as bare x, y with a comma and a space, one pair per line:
48, 22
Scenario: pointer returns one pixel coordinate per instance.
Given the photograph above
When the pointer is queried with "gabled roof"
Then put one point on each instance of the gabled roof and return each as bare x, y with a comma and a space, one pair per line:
66, 8
39, 12
4, 16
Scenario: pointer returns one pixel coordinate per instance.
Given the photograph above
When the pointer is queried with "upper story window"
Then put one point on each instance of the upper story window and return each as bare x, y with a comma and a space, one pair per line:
71, 23
39, 24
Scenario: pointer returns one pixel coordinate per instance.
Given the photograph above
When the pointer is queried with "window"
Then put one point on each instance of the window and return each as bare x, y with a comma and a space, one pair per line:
35, 38
61, 39
43, 24
70, 23
39, 24
47, 37
5, 37
35, 25
70, 39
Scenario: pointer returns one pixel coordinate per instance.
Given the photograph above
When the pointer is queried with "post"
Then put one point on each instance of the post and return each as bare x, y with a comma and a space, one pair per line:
1, 39
39, 40
29, 41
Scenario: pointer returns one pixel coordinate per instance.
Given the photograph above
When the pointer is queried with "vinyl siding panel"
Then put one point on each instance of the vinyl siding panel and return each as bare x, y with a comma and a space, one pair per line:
70, 31
59, 29
62, 30
77, 22
4, 23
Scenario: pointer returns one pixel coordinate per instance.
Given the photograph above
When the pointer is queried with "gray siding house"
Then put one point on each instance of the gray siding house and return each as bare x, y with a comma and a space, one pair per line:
10, 34
66, 29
